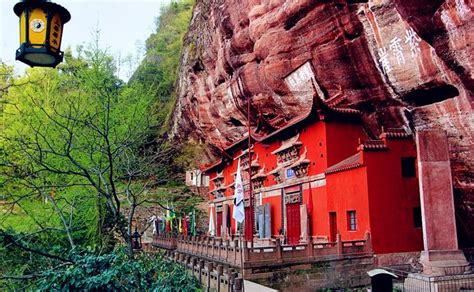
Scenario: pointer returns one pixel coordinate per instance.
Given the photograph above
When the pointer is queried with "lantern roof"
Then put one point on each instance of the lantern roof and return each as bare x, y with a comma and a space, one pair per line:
47, 4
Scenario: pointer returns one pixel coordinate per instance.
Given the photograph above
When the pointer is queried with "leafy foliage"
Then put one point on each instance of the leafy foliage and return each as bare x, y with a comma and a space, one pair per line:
79, 153
159, 68
115, 271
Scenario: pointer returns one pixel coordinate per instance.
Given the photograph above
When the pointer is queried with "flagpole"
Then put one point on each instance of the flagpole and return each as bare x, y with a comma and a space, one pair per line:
249, 144
242, 261
250, 170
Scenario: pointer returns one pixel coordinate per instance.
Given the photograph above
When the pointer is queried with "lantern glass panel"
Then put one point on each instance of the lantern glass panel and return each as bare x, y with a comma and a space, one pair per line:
55, 32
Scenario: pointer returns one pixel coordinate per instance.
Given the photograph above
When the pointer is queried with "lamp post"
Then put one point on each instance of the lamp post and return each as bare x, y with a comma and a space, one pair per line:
41, 28
136, 240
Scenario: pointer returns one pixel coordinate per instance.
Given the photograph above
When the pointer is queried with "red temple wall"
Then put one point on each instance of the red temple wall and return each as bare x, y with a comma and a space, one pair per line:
392, 199
275, 210
314, 139
342, 140
319, 220
347, 191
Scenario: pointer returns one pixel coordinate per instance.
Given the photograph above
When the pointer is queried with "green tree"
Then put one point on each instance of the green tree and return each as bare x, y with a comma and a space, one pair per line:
74, 156
80, 154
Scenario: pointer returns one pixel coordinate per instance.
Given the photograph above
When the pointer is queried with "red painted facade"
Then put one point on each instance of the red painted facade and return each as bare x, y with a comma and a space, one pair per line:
358, 185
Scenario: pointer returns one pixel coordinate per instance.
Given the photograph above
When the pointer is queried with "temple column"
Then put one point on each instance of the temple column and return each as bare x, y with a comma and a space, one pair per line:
441, 255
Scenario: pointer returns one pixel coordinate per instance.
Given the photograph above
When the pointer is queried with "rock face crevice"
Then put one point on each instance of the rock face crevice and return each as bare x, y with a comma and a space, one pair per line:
401, 63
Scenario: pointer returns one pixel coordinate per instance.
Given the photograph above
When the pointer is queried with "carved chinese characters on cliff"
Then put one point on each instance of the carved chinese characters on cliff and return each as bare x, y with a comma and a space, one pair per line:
394, 55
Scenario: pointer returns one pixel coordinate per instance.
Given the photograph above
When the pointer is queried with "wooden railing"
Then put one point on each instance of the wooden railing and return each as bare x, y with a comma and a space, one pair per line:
229, 252
165, 241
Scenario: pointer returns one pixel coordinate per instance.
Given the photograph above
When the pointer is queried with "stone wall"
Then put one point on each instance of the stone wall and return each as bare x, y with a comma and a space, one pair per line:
341, 273
350, 272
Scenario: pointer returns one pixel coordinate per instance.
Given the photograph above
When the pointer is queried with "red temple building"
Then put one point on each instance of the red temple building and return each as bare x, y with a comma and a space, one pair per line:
321, 179
328, 201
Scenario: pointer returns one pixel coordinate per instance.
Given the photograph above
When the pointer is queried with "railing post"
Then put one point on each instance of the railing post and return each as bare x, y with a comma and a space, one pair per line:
220, 271
368, 243
219, 248
230, 277
187, 260
278, 249
236, 244
193, 264
210, 267
213, 244
339, 244
238, 284
201, 246
310, 248
246, 251
201, 266
227, 250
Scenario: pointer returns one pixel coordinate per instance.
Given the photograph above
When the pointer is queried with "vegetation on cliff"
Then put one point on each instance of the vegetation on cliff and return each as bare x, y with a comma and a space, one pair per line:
159, 68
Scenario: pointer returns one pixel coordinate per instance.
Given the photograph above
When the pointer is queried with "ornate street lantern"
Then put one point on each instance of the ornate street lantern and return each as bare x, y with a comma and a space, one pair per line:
41, 28
136, 240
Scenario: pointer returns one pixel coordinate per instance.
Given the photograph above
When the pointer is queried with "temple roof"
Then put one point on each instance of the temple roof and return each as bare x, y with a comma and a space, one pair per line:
293, 141
349, 163
373, 145
212, 166
320, 110
394, 133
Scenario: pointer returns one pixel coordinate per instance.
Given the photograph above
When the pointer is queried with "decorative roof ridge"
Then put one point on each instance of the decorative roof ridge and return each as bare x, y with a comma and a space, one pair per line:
253, 164
219, 175
288, 143
373, 145
302, 159
394, 133
328, 105
260, 174
244, 152
351, 162
337, 98
280, 166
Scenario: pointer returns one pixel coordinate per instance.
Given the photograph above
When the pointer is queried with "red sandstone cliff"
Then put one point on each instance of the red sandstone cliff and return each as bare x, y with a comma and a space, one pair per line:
402, 63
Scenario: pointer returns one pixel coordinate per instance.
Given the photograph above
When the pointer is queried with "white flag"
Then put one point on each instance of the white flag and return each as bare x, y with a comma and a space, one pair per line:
152, 220
238, 213
211, 223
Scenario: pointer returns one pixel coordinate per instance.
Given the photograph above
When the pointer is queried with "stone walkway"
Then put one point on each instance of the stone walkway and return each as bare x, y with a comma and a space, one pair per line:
254, 287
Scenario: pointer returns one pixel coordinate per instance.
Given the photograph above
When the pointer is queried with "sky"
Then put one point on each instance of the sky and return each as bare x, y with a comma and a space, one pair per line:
124, 26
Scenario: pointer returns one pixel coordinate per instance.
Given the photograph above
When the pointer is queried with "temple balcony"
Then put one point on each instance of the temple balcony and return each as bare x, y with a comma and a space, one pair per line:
262, 253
